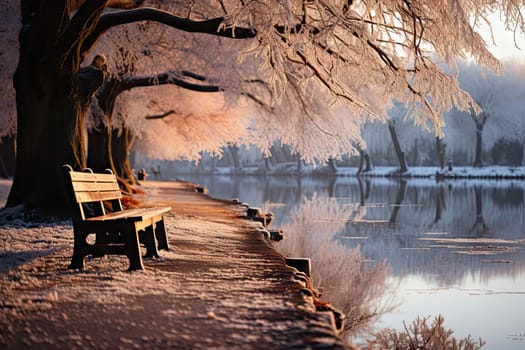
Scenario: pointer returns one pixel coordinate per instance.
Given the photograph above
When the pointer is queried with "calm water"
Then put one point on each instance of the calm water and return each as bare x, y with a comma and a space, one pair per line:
455, 248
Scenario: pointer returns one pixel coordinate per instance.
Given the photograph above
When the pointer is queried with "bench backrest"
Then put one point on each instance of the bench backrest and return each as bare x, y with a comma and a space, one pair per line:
89, 190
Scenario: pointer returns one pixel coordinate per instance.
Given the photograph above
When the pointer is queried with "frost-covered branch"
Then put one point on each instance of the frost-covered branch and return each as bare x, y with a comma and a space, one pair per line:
175, 78
213, 26
172, 77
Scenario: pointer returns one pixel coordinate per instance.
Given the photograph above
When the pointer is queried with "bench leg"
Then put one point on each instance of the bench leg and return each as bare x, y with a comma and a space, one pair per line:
101, 239
147, 237
162, 237
80, 250
133, 250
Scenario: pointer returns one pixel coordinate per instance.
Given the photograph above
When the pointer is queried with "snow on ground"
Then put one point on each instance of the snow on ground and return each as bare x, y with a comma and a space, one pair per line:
21, 240
221, 286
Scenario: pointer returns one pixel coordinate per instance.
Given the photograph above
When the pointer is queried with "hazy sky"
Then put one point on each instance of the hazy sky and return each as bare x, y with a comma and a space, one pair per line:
505, 46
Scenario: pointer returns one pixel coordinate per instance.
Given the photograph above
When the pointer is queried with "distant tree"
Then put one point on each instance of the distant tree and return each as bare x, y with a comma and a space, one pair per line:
312, 55
403, 167
499, 121
479, 121
502, 102
441, 152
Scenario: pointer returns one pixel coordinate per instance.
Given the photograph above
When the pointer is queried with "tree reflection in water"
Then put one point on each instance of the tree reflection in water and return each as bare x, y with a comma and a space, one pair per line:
343, 275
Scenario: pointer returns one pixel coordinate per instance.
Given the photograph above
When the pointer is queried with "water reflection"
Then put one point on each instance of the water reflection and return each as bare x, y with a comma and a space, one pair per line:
455, 248
342, 273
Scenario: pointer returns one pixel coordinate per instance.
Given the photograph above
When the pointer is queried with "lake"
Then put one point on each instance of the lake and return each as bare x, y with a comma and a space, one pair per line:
454, 248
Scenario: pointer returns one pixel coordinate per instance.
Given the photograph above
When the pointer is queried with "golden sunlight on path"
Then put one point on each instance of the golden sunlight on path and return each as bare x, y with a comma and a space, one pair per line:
222, 286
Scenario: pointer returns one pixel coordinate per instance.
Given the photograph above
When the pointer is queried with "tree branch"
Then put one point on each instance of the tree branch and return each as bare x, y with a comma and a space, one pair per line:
124, 4
193, 75
80, 27
211, 26
171, 77
160, 116
257, 101
165, 79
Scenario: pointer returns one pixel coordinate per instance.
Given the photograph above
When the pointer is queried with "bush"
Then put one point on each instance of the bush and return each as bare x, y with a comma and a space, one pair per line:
421, 336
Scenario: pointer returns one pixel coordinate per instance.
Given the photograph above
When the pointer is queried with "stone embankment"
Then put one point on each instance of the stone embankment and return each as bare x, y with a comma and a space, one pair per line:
222, 286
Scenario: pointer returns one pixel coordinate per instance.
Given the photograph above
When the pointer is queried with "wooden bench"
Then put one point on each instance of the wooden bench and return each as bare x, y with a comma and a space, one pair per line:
119, 232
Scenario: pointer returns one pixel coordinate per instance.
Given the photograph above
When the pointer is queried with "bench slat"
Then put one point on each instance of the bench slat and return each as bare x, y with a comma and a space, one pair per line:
93, 187
83, 197
81, 176
139, 214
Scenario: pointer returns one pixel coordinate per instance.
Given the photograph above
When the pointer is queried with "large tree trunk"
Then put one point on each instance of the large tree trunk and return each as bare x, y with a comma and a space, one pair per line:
120, 148
99, 149
110, 149
49, 130
51, 99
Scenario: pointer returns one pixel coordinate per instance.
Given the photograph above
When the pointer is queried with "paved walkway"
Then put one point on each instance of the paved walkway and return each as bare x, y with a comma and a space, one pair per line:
222, 286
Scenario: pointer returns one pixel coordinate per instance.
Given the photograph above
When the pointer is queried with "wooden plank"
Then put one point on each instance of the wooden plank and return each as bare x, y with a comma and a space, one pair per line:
139, 214
110, 195
76, 175
95, 186
132, 214
152, 212
82, 197
80, 176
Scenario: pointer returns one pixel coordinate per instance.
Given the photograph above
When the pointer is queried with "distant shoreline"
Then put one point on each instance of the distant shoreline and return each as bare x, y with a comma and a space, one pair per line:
496, 172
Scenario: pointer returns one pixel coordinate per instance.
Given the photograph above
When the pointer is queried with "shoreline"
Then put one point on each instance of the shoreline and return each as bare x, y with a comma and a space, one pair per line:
222, 285
430, 172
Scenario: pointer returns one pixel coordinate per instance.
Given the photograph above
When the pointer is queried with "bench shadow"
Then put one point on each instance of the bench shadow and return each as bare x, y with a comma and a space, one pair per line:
10, 261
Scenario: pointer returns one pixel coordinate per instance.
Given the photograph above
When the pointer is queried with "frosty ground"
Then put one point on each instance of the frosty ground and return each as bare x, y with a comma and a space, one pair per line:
222, 286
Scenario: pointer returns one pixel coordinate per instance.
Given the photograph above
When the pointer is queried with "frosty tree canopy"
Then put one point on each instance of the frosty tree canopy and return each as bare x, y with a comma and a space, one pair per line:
316, 68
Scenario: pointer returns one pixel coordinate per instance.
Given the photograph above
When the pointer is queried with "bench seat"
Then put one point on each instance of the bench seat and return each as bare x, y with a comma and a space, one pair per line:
140, 214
